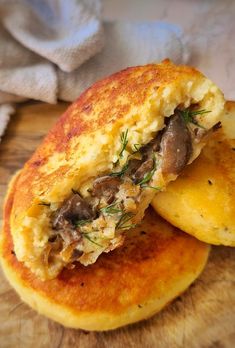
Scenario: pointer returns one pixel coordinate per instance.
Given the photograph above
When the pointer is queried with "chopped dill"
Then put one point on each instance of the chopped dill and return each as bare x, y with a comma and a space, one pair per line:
85, 235
152, 187
125, 217
44, 203
127, 227
148, 176
81, 222
188, 116
121, 172
111, 209
137, 148
124, 142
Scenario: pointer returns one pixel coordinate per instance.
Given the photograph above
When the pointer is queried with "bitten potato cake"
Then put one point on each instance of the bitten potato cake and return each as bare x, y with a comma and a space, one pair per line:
99, 168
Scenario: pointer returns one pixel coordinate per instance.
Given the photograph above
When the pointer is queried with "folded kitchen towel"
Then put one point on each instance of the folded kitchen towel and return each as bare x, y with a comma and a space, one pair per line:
54, 49
39, 36
126, 44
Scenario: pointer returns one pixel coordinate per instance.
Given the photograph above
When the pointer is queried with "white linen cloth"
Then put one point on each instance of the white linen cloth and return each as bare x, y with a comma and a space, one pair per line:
55, 49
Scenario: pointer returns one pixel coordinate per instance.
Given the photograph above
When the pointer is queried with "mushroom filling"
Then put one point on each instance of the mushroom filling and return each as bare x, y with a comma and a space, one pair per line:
84, 224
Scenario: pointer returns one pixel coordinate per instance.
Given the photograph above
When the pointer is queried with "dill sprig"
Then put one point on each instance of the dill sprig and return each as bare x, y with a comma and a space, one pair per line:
86, 235
124, 142
81, 222
44, 203
121, 172
189, 116
152, 187
148, 176
111, 209
137, 148
125, 217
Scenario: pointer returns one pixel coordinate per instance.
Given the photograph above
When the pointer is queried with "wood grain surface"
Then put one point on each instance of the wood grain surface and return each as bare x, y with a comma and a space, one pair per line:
204, 316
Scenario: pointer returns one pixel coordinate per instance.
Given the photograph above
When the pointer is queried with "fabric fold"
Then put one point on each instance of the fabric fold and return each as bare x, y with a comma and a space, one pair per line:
127, 44
53, 50
66, 33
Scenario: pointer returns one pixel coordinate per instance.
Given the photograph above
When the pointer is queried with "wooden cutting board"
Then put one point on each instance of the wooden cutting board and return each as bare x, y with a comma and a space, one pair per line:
204, 316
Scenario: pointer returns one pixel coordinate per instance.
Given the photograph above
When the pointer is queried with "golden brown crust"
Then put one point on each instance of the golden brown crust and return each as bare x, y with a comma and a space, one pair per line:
156, 264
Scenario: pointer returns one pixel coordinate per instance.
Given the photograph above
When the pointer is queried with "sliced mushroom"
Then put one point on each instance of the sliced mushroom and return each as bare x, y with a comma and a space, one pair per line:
107, 187
145, 168
153, 146
73, 210
176, 145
